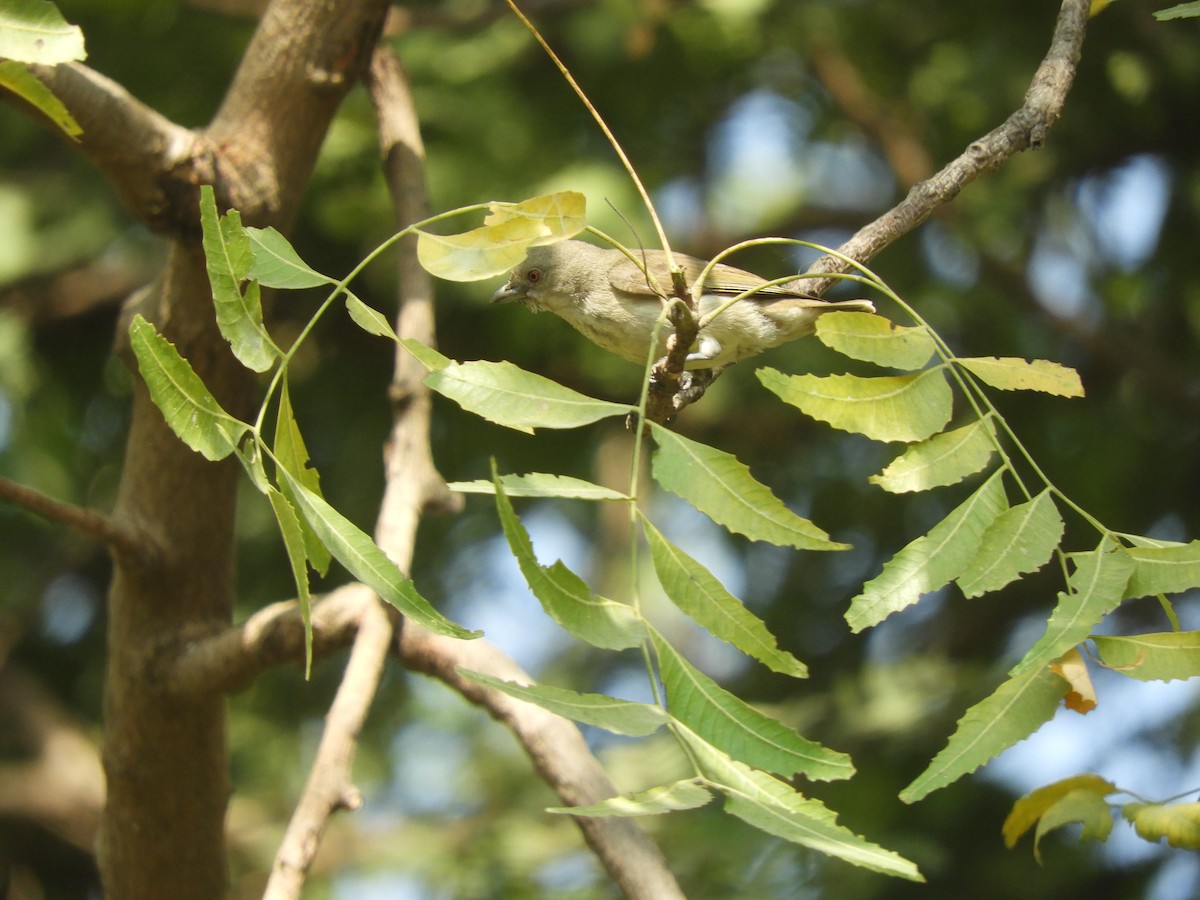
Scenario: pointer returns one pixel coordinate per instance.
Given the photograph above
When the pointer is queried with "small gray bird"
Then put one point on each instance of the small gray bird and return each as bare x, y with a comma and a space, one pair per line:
608, 299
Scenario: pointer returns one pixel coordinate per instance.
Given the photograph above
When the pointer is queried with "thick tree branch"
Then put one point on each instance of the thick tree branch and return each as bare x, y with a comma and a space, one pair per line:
139, 151
1024, 129
229, 661
121, 539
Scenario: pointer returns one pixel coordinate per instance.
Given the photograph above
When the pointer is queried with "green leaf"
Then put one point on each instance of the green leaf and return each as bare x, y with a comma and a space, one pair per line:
1018, 708
505, 237
355, 550
698, 593
1166, 656
722, 488
1030, 808
191, 411
1179, 823
541, 484
875, 339
292, 454
426, 356
665, 798
618, 716
770, 805
944, 459
1178, 11
15, 77
739, 729
34, 31
931, 561
1096, 588
276, 264
228, 259
510, 396
1010, 374
1164, 570
1019, 541
369, 320
294, 543
891, 408
564, 595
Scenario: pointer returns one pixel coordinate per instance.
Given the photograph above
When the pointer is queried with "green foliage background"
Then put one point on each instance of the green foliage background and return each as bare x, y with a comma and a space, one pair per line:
673, 80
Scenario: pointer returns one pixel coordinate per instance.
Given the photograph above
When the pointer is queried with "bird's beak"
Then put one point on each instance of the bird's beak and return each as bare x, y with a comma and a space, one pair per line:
508, 293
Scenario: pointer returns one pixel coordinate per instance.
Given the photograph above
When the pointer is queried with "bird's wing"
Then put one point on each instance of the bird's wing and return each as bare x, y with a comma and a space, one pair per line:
627, 277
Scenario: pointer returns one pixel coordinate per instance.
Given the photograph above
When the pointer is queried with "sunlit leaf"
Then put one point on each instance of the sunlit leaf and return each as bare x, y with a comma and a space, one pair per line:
276, 264
737, 728
609, 713
502, 242
34, 31
191, 411
875, 339
1018, 708
541, 484
665, 798
698, 593
1095, 588
1178, 11
355, 550
1164, 570
1179, 823
1166, 656
1010, 374
426, 356
564, 595
890, 408
228, 258
931, 561
15, 77
722, 488
292, 455
772, 806
943, 459
507, 395
1030, 808
294, 543
1019, 541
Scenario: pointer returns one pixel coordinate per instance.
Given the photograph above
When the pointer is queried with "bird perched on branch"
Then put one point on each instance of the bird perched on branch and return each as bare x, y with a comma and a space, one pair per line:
607, 297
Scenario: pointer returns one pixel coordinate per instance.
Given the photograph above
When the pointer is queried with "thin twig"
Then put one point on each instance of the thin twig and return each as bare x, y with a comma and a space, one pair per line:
1024, 129
94, 524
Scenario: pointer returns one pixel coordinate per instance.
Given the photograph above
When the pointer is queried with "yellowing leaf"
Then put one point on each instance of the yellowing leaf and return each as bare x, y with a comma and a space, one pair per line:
1179, 823
892, 408
1073, 670
1010, 374
502, 242
16, 77
665, 798
875, 339
1030, 808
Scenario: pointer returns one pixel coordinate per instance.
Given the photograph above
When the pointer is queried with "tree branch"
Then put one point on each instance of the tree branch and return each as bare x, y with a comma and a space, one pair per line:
557, 751
143, 154
93, 523
1026, 128
329, 788
228, 662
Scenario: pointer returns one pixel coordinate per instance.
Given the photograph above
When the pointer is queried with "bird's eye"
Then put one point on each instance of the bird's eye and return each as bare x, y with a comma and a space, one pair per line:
533, 276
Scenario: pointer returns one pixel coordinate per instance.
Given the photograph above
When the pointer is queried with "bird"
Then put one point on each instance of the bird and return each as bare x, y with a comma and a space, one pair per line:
610, 300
